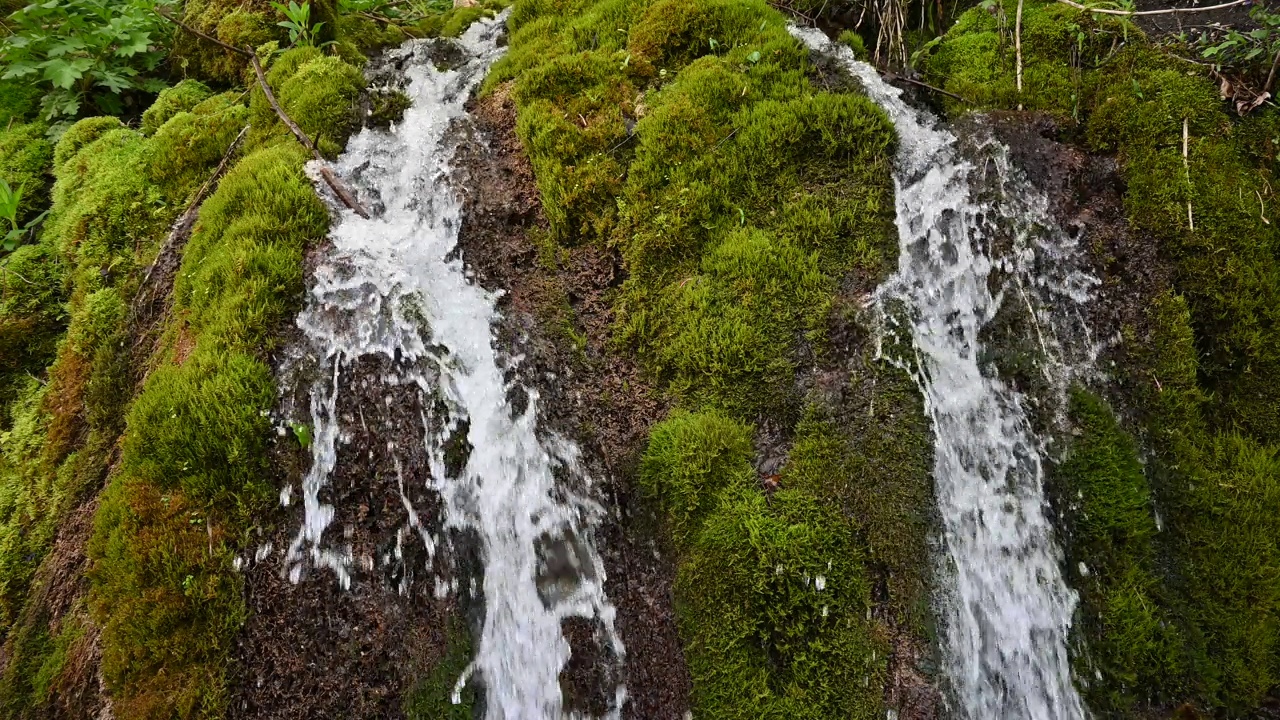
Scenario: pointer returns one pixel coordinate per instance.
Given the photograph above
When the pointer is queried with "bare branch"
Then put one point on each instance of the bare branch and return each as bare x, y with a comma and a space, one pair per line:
1167, 11
164, 14
330, 178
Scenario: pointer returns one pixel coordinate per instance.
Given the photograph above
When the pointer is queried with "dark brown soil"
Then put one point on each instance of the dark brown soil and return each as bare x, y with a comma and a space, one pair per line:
1086, 198
315, 650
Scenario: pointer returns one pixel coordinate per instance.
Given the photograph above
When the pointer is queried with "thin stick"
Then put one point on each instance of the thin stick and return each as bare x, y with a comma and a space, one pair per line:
183, 227
193, 31
927, 86
1186, 165
1017, 45
1271, 76
1167, 11
325, 172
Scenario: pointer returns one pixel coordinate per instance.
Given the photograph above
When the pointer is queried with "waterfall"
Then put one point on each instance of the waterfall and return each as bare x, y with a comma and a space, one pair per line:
392, 287
1007, 609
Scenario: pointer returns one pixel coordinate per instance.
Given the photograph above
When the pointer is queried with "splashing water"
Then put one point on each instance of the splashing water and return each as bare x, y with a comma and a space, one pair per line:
1008, 615
392, 287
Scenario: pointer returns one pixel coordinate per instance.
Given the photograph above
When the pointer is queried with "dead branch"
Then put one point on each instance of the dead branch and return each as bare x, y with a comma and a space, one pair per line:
164, 14
1166, 11
1017, 45
1271, 76
330, 178
1186, 166
182, 229
926, 86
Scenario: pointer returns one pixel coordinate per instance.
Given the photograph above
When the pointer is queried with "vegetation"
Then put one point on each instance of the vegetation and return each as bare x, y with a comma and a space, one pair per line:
85, 53
1187, 614
688, 136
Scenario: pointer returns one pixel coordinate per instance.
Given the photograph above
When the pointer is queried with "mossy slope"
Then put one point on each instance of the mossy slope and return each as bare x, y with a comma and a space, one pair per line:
741, 199
1188, 613
184, 459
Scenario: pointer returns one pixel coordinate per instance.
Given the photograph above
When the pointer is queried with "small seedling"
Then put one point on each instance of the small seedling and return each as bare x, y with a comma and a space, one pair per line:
302, 431
10, 203
301, 31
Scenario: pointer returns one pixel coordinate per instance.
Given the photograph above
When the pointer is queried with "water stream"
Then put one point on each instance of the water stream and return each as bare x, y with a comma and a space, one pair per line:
1006, 611
392, 286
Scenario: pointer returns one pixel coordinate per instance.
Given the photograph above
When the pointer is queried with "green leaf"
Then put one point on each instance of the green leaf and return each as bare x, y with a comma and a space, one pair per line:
754, 57
137, 42
303, 433
19, 69
66, 47
64, 74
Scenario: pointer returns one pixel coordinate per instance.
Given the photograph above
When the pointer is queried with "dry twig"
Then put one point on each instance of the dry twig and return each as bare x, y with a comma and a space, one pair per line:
326, 172
1166, 11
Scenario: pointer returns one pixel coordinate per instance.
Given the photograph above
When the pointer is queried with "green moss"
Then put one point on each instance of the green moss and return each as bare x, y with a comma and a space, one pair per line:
180, 98
235, 22
1135, 646
686, 135
81, 134
457, 21
194, 455
431, 697
189, 143
19, 101
318, 92
26, 159
689, 460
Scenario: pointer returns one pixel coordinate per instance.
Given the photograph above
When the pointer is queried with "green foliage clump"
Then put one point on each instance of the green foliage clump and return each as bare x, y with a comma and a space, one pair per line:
116, 192
26, 157
180, 98
85, 53
690, 459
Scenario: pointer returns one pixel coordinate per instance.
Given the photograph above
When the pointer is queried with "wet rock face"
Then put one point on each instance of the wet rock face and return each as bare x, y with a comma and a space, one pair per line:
1085, 193
315, 650
586, 393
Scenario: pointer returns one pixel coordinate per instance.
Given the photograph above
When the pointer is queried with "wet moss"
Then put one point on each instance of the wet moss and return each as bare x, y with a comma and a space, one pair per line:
686, 135
180, 98
1197, 623
1135, 646
431, 698
770, 591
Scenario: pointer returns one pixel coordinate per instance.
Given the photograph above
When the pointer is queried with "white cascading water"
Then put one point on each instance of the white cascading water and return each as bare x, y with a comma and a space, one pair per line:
391, 286
1008, 611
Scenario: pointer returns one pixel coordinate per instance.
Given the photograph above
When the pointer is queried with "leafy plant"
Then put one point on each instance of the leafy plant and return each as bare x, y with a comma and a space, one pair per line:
301, 31
85, 51
10, 202
1242, 49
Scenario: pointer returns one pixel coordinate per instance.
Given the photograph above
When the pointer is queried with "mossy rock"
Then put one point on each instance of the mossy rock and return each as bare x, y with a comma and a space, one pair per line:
180, 98
238, 23
317, 91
